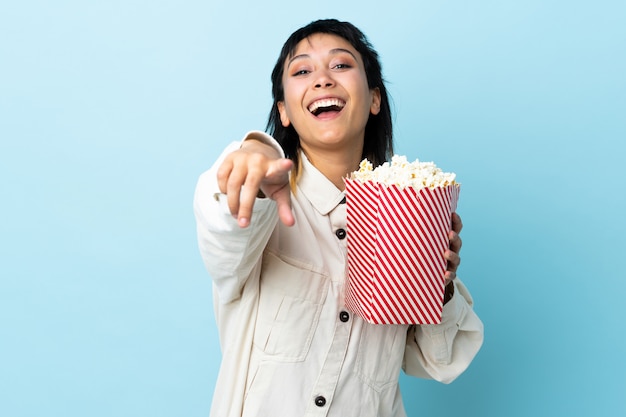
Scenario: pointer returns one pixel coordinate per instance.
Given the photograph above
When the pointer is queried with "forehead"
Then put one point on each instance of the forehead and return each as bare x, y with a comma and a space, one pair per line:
322, 43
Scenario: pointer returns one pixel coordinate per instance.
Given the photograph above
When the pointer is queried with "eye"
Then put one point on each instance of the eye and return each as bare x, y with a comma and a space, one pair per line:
300, 70
342, 66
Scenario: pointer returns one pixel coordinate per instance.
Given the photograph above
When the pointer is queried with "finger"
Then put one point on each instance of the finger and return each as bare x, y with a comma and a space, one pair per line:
278, 175
448, 277
285, 214
455, 241
247, 198
223, 173
278, 171
248, 195
283, 201
454, 260
452, 254
457, 223
234, 184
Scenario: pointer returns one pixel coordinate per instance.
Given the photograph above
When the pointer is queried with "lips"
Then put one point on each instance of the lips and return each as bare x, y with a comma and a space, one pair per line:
326, 105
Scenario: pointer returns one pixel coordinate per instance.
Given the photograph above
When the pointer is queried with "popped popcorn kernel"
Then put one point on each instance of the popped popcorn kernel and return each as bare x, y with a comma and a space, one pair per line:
402, 173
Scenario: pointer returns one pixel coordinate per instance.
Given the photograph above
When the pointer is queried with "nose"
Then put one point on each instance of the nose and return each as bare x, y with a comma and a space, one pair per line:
324, 80
325, 84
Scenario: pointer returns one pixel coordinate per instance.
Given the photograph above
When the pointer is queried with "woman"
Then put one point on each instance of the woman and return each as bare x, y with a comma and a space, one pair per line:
272, 232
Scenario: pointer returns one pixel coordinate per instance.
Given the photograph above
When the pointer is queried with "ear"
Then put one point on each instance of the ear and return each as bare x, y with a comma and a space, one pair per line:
284, 119
375, 106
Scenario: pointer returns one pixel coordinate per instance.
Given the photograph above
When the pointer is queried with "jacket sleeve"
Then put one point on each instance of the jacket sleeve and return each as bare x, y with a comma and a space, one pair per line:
443, 351
228, 251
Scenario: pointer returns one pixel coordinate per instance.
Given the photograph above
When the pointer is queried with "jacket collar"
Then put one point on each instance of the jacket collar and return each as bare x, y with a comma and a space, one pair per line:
319, 190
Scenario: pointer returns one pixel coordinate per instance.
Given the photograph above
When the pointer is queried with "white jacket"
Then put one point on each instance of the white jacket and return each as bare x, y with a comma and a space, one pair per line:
289, 345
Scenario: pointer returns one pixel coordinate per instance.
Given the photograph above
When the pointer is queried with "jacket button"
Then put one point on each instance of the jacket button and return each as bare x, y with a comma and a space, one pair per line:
344, 316
341, 233
320, 401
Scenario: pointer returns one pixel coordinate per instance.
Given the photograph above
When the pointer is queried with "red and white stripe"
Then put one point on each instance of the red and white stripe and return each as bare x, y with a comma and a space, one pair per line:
396, 241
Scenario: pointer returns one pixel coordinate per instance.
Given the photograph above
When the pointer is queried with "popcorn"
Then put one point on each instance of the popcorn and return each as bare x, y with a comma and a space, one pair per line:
398, 219
403, 173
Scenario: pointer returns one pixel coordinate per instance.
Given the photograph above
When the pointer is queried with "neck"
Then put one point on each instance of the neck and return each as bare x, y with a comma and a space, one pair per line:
335, 165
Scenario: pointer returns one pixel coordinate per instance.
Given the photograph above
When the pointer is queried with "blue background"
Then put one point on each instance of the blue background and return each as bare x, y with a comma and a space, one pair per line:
109, 111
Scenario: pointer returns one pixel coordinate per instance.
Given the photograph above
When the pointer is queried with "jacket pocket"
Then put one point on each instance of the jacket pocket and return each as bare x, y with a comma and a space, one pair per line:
290, 302
380, 355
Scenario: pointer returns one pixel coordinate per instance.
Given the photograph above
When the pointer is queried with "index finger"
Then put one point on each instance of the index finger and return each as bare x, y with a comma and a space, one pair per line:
247, 197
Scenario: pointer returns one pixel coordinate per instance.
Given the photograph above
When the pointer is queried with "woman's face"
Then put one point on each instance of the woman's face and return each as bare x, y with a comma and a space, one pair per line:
327, 99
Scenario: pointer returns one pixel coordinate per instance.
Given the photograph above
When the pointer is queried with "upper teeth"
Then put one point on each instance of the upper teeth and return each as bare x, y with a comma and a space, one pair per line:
326, 102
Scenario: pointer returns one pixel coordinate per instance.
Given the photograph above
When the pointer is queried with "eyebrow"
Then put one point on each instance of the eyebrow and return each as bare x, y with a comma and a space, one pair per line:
334, 51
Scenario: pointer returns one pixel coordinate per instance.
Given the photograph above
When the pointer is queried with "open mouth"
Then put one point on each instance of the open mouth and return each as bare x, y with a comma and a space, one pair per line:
326, 105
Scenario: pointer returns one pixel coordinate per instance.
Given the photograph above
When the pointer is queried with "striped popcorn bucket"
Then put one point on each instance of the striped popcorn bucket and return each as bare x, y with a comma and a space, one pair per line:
396, 241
